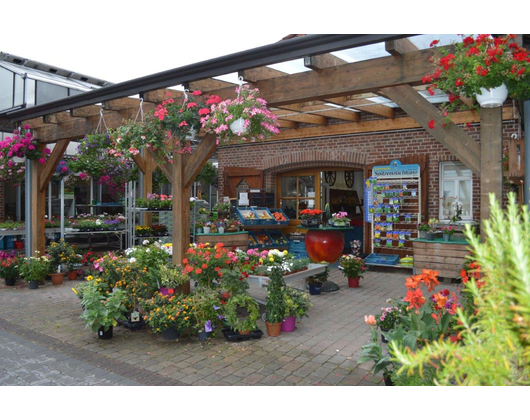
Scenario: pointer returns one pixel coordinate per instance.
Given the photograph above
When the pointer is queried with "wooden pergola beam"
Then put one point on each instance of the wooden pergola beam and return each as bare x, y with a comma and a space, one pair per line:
322, 61
364, 105
398, 47
456, 140
260, 73
303, 118
48, 170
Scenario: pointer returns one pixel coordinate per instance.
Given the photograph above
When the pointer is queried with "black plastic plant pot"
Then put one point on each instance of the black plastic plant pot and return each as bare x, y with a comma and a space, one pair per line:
203, 335
105, 335
170, 334
9, 282
314, 289
388, 381
33, 285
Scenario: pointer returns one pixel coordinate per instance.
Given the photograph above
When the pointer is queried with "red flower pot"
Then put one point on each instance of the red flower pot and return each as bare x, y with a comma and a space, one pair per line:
324, 245
353, 281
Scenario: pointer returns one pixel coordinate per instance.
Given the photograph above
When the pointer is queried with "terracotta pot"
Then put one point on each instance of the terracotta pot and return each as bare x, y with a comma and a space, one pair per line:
273, 329
72, 275
246, 332
57, 278
353, 282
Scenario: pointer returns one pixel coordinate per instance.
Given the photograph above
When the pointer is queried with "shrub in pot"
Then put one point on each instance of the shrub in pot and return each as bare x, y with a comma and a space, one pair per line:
242, 312
207, 311
35, 269
275, 302
9, 269
101, 310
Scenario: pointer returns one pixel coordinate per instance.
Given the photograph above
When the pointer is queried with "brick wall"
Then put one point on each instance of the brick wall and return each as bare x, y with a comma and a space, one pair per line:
353, 151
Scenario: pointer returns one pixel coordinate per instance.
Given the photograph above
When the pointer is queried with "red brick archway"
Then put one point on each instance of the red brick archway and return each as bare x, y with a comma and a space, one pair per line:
346, 159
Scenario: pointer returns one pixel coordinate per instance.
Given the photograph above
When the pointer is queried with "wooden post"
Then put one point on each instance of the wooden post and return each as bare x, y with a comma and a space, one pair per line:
38, 210
491, 159
148, 184
181, 211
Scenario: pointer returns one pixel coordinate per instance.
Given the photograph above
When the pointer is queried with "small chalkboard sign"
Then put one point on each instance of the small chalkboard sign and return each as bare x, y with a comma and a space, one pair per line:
256, 198
269, 200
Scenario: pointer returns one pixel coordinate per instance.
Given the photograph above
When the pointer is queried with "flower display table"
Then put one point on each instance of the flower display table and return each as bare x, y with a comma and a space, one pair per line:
445, 257
230, 240
312, 269
325, 243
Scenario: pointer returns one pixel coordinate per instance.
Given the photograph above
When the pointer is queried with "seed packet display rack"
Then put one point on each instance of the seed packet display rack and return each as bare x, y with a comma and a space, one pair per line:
395, 212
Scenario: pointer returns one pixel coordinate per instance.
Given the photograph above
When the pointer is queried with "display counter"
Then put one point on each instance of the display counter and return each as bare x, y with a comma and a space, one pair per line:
446, 257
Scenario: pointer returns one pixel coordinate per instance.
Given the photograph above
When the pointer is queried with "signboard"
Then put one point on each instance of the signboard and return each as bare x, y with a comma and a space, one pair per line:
396, 170
368, 199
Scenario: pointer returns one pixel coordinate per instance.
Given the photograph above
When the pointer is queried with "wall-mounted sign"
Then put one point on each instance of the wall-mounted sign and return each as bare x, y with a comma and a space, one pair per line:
396, 170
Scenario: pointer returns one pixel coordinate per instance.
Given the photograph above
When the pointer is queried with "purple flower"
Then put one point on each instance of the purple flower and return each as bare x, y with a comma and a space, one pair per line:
216, 307
208, 326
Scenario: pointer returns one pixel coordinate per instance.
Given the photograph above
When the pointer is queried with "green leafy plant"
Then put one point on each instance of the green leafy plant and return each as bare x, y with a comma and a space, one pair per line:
373, 352
296, 303
208, 174
173, 276
498, 330
242, 312
352, 266
61, 253
35, 268
275, 301
207, 309
233, 281
222, 207
102, 310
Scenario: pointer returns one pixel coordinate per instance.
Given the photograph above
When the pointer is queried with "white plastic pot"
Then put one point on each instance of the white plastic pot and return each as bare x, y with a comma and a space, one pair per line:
492, 98
238, 126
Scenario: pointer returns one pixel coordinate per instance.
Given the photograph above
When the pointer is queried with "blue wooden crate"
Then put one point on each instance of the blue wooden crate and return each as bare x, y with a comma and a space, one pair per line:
265, 211
382, 259
278, 237
247, 222
285, 223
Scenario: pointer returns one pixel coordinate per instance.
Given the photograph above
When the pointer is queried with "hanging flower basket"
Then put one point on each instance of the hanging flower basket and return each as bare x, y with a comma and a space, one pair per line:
479, 63
245, 118
492, 98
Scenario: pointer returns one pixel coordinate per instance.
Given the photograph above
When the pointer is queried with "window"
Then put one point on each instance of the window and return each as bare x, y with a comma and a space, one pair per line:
298, 191
456, 186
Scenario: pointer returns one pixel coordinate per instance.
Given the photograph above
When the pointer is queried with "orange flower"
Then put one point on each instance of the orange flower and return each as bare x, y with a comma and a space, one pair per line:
414, 281
440, 300
370, 320
430, 279
415, 299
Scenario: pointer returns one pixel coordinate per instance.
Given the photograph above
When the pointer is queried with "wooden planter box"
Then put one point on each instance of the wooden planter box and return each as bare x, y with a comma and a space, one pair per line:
445, 257
228, 239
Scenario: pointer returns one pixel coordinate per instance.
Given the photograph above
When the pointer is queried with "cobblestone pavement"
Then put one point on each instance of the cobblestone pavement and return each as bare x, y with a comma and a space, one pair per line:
43, 341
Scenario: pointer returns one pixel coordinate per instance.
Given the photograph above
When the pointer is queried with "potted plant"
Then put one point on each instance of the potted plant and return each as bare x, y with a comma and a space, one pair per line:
221, 224
141, 203
182, 120
352, 267
199, 227
431, 233
207, 227
339, 219
102, 310
373, 352
245, 118
423, 228
315, 282
34, 269
60, 253
73, 262
275, 302
202, 214
143, 231
387, 320
169, 315
311, 217
9, 269
296, 305
476, 67
207, 311
172, 278
159, 230
447, 232
242, 312
222, 209
233, 225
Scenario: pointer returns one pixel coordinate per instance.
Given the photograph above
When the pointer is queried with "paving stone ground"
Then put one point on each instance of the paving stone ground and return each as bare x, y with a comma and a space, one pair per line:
43, 342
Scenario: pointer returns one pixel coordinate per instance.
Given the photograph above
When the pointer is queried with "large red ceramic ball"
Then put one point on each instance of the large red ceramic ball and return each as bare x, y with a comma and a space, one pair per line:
324, 245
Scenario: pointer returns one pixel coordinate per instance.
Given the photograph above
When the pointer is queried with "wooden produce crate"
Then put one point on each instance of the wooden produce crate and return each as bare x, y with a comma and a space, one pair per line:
229, 240
445, 257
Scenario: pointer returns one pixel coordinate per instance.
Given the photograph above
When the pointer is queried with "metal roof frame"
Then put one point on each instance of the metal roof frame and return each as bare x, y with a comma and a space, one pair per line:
257, 57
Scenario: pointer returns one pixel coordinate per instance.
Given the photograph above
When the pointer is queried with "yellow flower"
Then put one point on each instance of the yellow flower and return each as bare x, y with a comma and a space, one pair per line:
90, 278
75, 291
